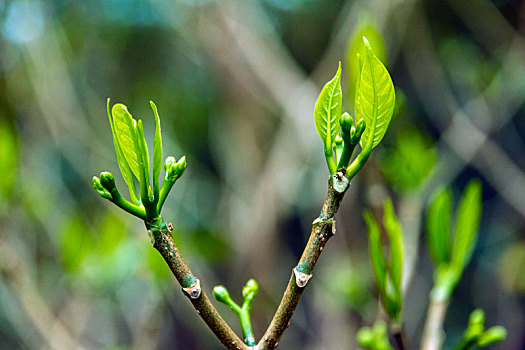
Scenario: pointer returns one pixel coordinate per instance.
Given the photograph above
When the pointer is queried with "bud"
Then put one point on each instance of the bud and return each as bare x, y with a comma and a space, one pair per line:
97, 186
356, 132
250, 289
493, 335
175, 170
107, 180
168, 162
366, 337
338, 142
346, 123
220, 293
477, 317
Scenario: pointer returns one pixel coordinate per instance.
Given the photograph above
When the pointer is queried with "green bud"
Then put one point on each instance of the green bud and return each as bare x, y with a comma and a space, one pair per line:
176, 170
107, 180
220, 293
366, 337
360, 127
346, 123
97, 186
477, 317
168, 162
338, 142
250, 289
492, 336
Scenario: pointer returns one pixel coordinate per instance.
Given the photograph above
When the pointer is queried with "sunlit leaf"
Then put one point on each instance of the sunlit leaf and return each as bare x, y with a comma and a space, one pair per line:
357, 47
143, 157
375, 99
124, 126
157, 151
438, 226
328, 109
466, 233
123, 165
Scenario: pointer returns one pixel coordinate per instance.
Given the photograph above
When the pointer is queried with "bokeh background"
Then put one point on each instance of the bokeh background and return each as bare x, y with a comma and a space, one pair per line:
235, 82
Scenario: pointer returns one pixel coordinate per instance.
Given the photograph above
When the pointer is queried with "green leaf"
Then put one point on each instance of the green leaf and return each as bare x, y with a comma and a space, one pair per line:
143, 159
395, 238
328, 109
466, 233
438, 226
375, 99
123, 165
124, 126
376, 251
157, 151
356, 47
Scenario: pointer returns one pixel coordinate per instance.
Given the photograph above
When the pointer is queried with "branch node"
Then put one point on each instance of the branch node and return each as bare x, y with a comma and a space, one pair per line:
195, 290
340, 181
301, 278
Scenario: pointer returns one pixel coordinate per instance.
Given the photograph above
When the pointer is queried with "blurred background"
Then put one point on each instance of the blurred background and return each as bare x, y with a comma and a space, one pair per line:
236, 83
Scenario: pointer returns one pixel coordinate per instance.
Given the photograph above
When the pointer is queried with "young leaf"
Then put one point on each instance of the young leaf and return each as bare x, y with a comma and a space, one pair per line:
124, 126
376, 251
328, 109
438, 226
356, 47
375, 99
125, 169
469, 215
157, 151
395, 238
143, 159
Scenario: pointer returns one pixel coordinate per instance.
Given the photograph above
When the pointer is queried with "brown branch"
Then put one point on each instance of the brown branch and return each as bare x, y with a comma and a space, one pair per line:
163, 242
322, 229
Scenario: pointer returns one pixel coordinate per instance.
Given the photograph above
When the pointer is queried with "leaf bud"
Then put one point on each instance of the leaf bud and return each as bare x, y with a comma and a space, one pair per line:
346, 122
359, 129
250, 289
493, 335
97, 186
168, 162
107, 180
175, 170
338, 142
220, 293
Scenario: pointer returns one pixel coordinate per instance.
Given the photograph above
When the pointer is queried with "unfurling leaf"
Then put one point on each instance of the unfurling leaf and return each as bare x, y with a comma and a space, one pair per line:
121, 160
395, 239
125, 130
466, 233
376, 251
157, 151
375, 99
438, 226
328, 109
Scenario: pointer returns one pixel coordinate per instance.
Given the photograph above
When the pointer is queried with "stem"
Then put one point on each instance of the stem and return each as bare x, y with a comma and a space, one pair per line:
131, 208
433, 332
246, 326
332, 167
398, 337
163, 242
322, 230
164, 190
